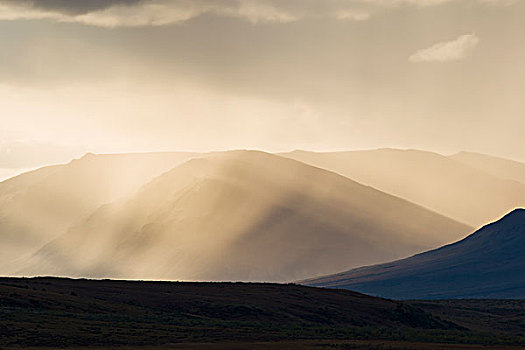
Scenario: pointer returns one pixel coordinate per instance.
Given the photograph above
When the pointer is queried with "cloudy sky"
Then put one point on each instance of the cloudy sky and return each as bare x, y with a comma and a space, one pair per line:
143, 75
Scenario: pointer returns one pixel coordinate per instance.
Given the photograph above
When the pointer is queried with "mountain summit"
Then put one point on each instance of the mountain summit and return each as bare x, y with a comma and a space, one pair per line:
490, 263
38, 206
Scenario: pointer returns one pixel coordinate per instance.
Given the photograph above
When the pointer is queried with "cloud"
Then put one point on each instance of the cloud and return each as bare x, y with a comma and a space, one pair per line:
422, 3
447, 51
427, 3
354, 15
75, 7
133, 13
500, 2
257, 11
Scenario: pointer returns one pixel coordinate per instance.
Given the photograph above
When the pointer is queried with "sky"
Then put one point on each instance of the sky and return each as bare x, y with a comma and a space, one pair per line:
110, 76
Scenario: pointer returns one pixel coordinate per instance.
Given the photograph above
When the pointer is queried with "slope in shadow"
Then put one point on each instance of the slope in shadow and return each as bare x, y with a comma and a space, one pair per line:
490, 263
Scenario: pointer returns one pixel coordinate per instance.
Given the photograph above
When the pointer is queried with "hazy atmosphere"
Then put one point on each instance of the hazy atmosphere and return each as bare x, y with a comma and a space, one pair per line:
262, 174
141, 75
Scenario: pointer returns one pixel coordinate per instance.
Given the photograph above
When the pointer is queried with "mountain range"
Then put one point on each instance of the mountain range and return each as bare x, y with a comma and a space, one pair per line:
499, 167
490, 263
40, 205
243, 215
471, 188
246, 215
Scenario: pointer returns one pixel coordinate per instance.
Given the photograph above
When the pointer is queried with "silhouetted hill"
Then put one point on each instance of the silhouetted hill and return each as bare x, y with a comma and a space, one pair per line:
62, 313
489, 263
445, 185
243, 215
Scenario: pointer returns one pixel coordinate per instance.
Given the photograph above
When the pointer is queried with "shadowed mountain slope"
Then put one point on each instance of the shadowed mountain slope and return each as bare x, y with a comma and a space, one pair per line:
38, 206
439, 183
499, 167
489, 263
244, 215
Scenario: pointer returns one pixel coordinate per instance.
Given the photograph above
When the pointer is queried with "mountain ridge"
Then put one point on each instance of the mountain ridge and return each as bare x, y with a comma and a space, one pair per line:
220, 217
497, 166
39, 205
486, 264
447, 186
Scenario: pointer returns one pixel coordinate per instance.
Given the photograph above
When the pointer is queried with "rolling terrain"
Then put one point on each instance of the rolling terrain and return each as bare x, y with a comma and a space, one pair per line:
451, 186
243, 215
490, 263
65, 313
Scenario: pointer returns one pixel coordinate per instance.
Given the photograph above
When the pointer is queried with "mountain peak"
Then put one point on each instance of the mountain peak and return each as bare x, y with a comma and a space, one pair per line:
88, 155
516, 214
514, 218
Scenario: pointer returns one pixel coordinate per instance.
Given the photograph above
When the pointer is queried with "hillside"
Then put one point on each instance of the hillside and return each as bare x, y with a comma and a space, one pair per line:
243, 215
38, 206
442, 184
499, 167
487, 264
64, 313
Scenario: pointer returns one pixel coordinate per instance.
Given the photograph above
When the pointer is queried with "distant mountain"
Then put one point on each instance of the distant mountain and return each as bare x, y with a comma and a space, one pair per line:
446, 185
243, 215
500, 167
38, 206
489, 263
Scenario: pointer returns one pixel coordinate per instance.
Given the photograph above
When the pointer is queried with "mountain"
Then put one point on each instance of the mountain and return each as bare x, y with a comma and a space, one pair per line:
490, 263
442, 184
243, 215
499, 167
38, 206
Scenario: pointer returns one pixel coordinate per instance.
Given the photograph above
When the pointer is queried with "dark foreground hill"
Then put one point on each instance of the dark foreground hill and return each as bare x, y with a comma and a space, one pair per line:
51, 312
490, 263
